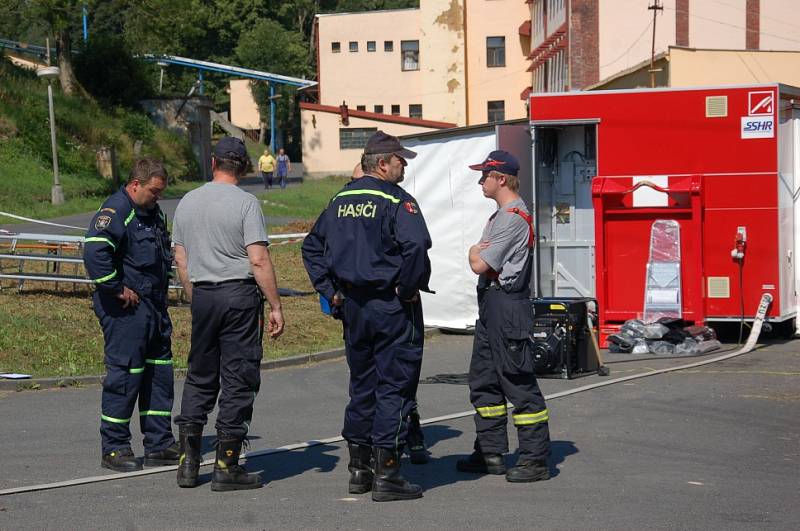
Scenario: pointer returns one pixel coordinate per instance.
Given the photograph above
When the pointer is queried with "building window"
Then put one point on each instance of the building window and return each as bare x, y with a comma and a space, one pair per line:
409, 55
495, 51
361, 107
415, 110
378, 109
395, 110
496, 111
355, 138
370, 46
388, 46
336, 47
353, 46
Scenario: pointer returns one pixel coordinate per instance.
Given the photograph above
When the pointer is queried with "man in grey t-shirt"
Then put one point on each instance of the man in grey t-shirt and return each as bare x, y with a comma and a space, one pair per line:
225, 268
502, 368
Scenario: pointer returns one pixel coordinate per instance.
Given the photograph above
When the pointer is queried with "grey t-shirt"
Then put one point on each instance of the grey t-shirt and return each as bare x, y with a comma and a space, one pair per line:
507, 234
215, 223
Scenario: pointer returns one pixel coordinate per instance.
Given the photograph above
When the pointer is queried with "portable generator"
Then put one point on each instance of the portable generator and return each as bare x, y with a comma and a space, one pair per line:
560, 340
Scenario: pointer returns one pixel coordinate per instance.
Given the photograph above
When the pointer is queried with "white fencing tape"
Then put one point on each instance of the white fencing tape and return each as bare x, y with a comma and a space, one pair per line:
22, 218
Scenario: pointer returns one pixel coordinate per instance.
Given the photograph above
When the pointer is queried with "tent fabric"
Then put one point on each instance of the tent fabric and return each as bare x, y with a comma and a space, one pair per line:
455, 210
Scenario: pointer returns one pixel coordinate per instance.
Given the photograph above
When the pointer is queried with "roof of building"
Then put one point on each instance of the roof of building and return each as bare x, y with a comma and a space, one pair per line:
377, 116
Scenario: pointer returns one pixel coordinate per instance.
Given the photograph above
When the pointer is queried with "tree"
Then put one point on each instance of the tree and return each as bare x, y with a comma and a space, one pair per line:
59, 17
270, 47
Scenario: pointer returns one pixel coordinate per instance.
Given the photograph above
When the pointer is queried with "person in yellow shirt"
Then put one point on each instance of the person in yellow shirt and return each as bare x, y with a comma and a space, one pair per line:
266, 165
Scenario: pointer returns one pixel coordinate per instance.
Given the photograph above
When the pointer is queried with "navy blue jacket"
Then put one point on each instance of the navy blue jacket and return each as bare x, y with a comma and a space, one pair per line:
371, 236
128, 245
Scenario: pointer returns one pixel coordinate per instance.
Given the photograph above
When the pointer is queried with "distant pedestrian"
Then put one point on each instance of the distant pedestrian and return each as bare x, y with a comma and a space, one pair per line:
266, 165
223, 260
284, 167
127, 255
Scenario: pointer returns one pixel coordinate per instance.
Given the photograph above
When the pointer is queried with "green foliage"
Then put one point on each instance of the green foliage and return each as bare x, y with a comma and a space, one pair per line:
109, 72
138, 126
82, 127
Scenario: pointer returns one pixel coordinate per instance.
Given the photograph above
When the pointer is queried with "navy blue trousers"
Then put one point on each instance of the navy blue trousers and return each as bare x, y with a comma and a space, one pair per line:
502, 370
383, 338
138, 359
225, 357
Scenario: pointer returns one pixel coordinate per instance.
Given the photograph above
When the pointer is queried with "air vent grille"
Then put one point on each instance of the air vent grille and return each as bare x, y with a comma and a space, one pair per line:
716, 106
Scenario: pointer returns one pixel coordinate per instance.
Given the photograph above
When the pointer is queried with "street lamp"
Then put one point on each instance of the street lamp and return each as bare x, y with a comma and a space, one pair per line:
50, 73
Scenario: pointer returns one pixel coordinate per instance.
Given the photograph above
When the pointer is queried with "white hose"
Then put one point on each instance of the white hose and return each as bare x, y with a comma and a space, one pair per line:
766, 300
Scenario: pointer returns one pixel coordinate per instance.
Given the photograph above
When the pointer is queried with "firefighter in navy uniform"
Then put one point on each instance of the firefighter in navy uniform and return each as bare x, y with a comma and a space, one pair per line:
127, 255
502, 367
367, 254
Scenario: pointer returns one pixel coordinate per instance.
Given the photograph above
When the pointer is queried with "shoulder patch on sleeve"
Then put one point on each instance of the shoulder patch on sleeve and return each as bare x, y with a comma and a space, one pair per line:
108, 209
411, 207
102, 222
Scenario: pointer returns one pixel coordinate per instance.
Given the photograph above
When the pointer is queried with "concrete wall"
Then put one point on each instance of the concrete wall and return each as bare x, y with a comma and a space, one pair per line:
724, 67
496, 18
626, 33
244, 111
717, 25
321, 153
779, 25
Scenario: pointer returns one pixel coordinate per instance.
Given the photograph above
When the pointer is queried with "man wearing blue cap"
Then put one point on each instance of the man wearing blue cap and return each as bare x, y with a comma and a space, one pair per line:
222, 255
502, 368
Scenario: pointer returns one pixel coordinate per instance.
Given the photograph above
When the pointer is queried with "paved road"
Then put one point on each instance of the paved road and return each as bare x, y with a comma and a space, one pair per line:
716, 447
250, 184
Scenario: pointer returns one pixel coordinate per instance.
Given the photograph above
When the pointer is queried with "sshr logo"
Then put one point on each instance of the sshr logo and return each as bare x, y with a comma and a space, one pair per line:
758, 126
760, 103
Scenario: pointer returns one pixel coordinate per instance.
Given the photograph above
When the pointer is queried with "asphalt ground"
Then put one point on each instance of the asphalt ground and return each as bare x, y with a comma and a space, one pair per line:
714, 447
250, 184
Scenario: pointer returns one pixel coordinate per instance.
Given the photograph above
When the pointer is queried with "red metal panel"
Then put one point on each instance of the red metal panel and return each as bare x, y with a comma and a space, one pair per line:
665, 132
622, 243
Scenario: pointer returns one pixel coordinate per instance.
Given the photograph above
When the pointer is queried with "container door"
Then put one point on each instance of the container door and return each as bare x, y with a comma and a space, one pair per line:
565, 163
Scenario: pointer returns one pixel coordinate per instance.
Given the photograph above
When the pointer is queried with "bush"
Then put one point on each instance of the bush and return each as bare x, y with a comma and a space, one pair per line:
138, 127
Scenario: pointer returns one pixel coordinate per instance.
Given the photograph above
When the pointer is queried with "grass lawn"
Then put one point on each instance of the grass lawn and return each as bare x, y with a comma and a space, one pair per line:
49, 332
305, 201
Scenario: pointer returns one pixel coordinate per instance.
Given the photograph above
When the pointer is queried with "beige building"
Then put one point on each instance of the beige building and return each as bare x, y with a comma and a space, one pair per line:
244, 110
691, 67
447, 63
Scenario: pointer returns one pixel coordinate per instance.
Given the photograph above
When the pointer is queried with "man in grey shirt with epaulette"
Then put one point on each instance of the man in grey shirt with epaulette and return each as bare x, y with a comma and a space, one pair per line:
501, 368
222, 255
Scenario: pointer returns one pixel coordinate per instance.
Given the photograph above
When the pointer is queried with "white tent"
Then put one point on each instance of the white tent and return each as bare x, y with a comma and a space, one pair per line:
455, 209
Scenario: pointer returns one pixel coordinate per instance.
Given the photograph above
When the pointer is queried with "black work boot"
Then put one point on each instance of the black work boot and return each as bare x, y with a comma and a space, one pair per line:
388, 484
482, 463
228, 474
168, 456
416, 440
189, 441
528, 471
121, 460
360, 467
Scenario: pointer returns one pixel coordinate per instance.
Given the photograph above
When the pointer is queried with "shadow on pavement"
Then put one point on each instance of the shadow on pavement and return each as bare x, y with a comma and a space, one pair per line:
559, 451
281, 466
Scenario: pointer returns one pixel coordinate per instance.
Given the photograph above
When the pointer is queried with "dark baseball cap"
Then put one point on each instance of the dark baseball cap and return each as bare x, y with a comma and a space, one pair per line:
499, 160
230, 148
380, 143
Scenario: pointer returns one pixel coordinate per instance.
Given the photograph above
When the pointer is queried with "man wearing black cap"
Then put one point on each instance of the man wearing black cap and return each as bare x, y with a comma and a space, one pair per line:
502, 368
368, 255
226, 270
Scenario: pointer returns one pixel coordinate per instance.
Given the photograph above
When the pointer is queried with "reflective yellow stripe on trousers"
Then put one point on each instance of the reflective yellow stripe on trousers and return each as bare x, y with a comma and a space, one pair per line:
524, 419
491, 411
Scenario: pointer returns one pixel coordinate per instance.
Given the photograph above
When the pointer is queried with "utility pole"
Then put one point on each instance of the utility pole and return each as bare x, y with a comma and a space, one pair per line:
656, 7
